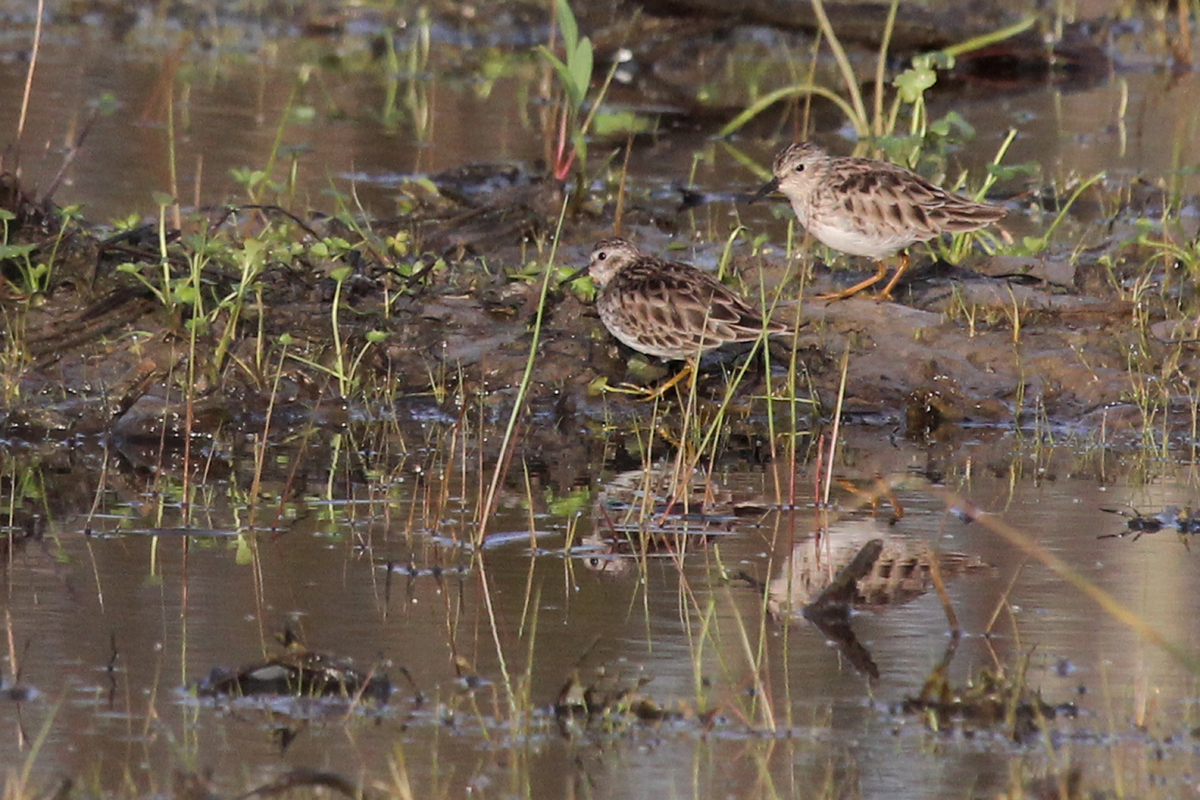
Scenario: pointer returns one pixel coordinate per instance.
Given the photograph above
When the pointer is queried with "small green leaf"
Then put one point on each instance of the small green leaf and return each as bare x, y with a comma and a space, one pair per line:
937, 59
303, 114
1034, 244
16, 250
568, 26
106, 104
247, 177
952, 121
375, 337
162, 199
244, 555
912, 83
580, 64
564, 76
597, 387
1005, 172
612, 123
573, 504
583, 287
186, 293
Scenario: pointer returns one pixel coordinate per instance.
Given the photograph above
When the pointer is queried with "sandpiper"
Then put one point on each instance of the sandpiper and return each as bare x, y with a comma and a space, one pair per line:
666, 308
871, 208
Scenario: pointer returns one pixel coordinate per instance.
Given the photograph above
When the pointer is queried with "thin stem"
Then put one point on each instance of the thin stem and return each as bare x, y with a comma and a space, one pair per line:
839, 54
33, 59
881, 66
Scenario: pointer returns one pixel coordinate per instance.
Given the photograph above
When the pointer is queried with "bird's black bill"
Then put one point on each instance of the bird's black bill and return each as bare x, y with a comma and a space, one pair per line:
574, 276
767, 188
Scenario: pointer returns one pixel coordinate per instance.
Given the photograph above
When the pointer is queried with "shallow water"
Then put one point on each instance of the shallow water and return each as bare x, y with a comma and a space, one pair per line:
175, 606
355, 132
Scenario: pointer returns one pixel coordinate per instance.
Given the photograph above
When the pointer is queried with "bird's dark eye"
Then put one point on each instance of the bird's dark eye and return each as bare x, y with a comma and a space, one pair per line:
799, 168
601, 255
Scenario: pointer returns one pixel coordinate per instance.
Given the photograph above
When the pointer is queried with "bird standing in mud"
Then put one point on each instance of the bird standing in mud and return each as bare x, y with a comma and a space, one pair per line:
666, 308
871, 208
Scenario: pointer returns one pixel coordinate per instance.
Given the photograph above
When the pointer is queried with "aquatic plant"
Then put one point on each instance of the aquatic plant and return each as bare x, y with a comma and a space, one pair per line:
575, 76
910, 85
33, 277
170, 291
921, 139
1034, 245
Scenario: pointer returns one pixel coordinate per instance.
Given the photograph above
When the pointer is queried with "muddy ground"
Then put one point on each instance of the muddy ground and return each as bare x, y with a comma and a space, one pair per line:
1030, 343
1084, 337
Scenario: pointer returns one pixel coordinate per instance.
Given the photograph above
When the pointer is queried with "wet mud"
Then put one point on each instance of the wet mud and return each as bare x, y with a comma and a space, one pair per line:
1006, 343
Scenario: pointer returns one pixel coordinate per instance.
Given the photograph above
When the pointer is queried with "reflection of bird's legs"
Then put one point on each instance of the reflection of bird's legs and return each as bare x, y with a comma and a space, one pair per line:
935, 575
882, 488
886, 294
897, 509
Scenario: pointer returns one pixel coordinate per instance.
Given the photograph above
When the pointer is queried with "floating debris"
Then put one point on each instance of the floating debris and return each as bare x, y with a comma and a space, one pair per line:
17, 692
1182, 520
606, 702
298, 672
992, 701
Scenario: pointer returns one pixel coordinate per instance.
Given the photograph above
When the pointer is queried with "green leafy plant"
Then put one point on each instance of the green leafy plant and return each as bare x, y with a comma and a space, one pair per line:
910, 85
170, 291
922, 133
575, 76
33, 276
251, 259
345, 367
1033, 245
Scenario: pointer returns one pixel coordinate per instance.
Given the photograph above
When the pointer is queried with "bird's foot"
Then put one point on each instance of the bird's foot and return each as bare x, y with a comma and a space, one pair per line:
855, 289
646, 393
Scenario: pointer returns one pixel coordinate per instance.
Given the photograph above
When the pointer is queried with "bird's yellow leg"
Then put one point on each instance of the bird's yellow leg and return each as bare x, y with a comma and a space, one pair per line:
886, 294
686, 372
858, 287
657, 392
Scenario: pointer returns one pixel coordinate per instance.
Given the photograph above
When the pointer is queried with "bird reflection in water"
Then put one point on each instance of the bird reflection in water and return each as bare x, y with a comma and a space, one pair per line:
653, 513
857, 565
